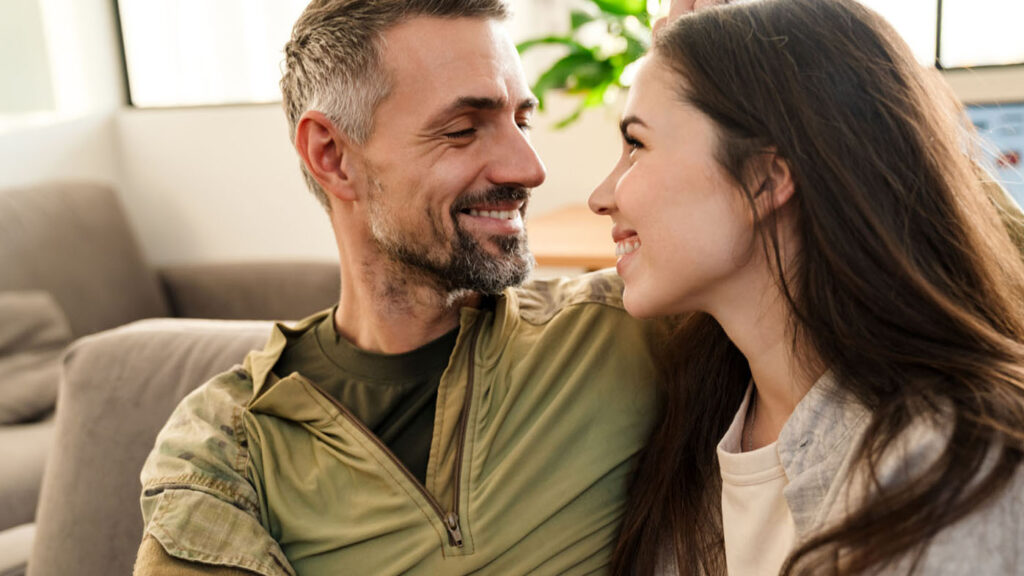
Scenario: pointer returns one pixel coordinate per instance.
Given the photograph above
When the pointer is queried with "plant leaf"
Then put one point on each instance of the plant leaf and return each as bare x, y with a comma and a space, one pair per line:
623, 7
558, 76
578, 18
591, 75
595, 97
548, 40
571, 118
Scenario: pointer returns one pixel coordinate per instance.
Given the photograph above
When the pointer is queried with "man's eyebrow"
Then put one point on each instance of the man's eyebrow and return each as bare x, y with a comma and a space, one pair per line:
482, 103
629, 121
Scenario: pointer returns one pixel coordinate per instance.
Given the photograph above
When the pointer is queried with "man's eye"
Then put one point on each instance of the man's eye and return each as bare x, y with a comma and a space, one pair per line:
525, 125
460, 134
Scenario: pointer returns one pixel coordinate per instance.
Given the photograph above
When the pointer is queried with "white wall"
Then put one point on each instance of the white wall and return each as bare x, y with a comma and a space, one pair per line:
217, 184
85, 56
24, 69
987, 85
78, 149
71, 136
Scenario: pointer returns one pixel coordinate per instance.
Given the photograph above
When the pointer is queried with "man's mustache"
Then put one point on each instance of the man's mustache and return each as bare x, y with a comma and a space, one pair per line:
492, 196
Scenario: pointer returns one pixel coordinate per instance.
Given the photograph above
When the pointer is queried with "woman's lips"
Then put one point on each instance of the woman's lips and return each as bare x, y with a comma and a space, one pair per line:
626, 241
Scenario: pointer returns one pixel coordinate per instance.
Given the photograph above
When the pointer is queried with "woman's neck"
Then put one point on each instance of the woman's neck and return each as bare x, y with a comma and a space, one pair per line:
757, 322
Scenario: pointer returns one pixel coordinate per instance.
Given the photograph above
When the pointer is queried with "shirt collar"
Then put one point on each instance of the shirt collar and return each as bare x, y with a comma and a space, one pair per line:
814, 446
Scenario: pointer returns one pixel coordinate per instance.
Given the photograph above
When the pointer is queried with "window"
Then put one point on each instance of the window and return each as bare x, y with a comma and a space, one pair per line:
982, 33
197, 52
916, 21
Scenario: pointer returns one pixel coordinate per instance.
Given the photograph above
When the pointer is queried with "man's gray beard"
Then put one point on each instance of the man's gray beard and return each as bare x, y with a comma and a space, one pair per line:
464, 266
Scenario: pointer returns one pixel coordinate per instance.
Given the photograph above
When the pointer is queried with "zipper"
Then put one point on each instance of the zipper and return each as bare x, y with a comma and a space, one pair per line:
449, 519
452, 520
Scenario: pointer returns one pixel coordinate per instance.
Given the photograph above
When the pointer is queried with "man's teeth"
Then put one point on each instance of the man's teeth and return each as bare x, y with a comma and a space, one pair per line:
500, 214
627, 246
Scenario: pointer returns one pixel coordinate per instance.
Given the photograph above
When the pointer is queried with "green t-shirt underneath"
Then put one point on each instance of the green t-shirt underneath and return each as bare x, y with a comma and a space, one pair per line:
394, 395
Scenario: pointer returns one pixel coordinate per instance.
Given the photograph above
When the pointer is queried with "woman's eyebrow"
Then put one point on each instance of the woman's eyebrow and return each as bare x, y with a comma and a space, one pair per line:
629, 121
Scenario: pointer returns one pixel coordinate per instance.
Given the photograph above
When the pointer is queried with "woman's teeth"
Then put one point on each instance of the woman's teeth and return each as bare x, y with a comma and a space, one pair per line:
502, 215
627, 246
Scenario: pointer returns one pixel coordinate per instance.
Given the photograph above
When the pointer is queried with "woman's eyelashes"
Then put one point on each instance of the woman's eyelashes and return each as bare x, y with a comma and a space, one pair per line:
632, 144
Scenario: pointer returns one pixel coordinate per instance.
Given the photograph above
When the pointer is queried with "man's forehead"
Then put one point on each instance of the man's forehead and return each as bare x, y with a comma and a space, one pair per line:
437, 60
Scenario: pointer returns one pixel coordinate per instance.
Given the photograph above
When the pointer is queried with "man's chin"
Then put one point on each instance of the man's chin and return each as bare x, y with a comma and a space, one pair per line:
496, 271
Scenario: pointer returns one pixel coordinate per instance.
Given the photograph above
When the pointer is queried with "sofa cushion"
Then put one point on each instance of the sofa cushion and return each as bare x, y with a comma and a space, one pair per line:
129, 380
24, 448
73, 241
33, 332
15, 544
251, 290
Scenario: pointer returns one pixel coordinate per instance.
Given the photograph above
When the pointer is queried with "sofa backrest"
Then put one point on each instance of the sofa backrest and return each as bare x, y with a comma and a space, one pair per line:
117, 390
73, 241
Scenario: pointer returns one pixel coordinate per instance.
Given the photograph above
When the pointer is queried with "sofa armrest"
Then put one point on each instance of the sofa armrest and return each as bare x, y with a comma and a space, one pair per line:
251, 291
118, 389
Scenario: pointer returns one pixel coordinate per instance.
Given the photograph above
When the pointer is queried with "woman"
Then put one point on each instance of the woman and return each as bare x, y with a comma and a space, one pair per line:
846, 391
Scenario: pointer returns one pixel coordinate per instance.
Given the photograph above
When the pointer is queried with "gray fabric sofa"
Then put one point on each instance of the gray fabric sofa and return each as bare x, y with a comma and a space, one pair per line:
70, 267
118, 389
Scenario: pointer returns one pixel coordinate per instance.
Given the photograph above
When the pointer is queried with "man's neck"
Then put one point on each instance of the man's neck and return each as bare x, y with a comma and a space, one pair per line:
392, 311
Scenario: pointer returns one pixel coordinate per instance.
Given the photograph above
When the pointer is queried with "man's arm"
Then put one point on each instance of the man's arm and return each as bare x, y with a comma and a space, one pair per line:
153, 560
200, 510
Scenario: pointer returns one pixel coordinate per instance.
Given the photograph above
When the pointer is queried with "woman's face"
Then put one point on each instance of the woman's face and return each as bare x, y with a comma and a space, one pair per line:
682, 228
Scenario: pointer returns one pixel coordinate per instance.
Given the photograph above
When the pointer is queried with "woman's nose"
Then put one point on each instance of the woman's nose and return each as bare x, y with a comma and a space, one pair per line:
602, 199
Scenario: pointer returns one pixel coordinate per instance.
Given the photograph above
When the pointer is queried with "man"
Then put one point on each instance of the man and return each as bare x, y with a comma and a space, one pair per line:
435, 421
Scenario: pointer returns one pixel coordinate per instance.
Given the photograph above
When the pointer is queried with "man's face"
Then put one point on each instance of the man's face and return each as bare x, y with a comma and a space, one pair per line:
449, 166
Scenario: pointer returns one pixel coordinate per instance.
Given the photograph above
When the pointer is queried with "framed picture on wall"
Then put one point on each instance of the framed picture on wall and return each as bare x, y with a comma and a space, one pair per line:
1001, 127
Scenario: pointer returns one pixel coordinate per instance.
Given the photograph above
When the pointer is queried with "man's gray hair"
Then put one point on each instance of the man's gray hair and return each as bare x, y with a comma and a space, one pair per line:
333, 61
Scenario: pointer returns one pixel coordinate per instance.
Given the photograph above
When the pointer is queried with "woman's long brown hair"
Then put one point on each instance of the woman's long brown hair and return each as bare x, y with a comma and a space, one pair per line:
908, 286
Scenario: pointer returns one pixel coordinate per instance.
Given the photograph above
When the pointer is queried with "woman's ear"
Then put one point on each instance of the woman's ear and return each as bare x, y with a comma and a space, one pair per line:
776, 187
327, 154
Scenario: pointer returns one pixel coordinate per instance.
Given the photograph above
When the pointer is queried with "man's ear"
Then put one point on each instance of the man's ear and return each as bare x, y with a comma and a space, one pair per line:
327, 154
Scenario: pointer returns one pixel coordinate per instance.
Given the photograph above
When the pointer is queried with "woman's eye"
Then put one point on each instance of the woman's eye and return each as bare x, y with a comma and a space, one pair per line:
460, 134
633, 144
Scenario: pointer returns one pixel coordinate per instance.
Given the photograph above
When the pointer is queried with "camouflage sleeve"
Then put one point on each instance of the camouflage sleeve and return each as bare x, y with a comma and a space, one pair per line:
197, 501
153, 560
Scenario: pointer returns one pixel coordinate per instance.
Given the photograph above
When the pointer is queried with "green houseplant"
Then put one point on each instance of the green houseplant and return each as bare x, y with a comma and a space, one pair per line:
605, 38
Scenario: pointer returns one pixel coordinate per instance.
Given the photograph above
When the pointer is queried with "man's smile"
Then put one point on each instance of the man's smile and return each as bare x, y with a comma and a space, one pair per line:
495, 218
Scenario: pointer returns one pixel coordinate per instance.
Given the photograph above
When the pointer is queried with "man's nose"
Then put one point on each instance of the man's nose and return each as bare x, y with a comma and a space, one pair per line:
517, 163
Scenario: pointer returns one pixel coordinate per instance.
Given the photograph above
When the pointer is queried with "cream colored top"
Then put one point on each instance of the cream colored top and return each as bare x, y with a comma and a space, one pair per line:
759, 529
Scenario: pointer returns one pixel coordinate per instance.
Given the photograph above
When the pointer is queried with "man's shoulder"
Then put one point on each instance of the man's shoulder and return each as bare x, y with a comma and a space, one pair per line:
222, 397
197, 499
541, 300
203, 442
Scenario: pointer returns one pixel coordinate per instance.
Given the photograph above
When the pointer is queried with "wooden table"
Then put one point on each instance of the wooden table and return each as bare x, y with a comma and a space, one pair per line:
572, 237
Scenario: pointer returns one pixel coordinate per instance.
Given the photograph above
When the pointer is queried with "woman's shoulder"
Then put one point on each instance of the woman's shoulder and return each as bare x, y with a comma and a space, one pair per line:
989, 540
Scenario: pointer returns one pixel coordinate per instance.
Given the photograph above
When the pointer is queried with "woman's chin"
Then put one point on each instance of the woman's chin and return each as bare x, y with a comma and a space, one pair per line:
637, 306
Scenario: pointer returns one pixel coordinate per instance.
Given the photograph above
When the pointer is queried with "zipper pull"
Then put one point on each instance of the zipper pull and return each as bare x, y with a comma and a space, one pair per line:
451, 522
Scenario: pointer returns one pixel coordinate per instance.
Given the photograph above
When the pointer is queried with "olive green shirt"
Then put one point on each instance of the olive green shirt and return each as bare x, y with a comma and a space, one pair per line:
394, 395
544, 405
